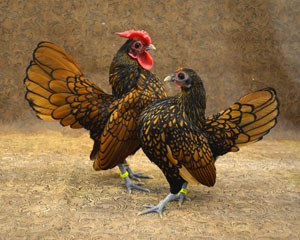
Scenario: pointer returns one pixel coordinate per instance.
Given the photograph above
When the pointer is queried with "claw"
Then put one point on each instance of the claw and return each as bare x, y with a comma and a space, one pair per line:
149, 206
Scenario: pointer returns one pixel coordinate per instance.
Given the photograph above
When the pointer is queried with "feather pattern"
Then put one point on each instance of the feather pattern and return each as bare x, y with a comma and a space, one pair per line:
176, 135
57, 90
246, 121
48, 84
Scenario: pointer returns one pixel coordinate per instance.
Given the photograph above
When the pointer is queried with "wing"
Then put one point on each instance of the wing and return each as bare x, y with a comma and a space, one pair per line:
119, 137
189, 151
57, 91
246, 121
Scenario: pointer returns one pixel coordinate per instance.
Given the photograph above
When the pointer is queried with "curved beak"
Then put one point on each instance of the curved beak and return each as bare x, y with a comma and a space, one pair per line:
169, 78
150, 47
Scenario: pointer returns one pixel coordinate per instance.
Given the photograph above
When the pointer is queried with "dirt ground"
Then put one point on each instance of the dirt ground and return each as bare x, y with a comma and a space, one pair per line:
50, 191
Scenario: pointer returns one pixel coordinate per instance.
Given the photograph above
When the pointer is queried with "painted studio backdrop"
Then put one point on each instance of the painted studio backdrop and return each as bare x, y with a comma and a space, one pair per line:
235, 46
48, 187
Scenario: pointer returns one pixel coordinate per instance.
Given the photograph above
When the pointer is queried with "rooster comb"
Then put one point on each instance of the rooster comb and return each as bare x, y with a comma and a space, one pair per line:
139, 34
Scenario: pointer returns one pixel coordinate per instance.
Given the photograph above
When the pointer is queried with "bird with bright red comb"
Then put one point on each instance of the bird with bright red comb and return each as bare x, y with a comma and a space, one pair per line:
75, 101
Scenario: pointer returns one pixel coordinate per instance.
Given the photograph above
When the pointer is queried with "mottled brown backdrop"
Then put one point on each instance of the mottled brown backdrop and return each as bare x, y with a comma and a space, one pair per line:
236, 46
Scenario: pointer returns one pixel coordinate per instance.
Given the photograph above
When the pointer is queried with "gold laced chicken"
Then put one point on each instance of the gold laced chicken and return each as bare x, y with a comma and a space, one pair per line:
58, 91
184, 144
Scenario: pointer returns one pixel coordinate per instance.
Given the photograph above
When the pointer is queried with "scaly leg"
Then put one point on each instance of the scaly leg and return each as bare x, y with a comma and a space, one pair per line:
182, 196
129, 185
133, 175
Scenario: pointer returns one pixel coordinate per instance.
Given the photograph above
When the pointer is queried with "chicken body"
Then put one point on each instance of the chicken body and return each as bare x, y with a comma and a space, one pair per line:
184, 144
58, 91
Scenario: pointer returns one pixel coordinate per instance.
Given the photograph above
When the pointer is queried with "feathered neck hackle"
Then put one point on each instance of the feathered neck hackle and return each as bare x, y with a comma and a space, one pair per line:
124, 71
192, 101
122, 59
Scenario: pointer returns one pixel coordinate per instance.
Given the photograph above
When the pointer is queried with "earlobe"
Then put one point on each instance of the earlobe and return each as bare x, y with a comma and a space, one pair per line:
188, 83
132, 55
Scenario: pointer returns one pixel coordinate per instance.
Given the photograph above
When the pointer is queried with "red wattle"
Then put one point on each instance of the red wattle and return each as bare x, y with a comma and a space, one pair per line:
145, 60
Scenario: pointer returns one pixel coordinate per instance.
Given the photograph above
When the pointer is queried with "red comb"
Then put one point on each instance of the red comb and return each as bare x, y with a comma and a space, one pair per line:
131, 34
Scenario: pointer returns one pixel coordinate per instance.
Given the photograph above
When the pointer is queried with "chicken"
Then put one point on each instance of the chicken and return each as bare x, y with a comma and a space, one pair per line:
58, 91
184, 144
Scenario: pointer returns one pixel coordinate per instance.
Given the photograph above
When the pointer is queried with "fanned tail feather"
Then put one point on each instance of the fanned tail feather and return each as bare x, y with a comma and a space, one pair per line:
57, 90
259, 112
246, 121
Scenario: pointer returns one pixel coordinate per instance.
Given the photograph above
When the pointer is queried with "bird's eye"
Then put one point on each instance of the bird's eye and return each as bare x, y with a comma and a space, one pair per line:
137, 45
181, 76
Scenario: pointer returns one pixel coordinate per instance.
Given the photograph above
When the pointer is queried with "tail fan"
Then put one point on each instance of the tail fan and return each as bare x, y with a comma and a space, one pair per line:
57, 90
246, 121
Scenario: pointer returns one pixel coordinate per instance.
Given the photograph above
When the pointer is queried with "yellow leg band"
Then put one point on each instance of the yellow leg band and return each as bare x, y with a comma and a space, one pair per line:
126, 164
124, 175
184, 191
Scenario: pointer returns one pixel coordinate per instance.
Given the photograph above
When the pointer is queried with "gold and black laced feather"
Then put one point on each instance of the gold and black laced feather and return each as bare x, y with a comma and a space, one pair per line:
246, 121
57, 90
138, 88
177, 137
179, 149
119, 139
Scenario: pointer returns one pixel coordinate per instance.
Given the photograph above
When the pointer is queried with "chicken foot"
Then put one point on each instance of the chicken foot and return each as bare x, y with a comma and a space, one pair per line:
129, 185
135, 175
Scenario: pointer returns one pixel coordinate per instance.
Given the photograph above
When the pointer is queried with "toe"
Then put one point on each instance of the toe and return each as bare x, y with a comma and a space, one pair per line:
154, 209
137, 187
140, 176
